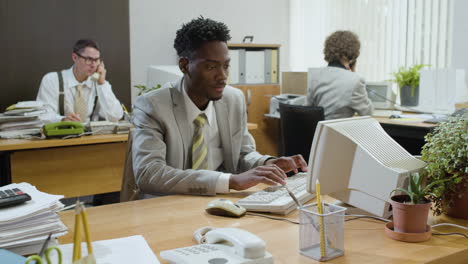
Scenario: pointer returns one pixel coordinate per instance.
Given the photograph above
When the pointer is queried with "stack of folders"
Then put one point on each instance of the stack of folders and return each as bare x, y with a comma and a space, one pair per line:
22, 119
123, 127
25, 227
102, 127
106, 127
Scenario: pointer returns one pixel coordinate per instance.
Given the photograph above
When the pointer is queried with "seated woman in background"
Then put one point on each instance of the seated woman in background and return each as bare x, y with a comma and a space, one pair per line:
337, 88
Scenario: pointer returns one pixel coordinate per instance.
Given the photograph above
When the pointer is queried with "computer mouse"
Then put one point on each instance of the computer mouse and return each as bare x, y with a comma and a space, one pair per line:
225, 207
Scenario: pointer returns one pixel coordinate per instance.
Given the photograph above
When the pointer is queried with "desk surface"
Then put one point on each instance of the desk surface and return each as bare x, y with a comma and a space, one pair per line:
386, 120
169, 222
19, 144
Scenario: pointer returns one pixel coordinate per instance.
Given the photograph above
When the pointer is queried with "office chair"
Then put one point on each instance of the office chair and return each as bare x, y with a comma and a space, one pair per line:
129, 190
298, 124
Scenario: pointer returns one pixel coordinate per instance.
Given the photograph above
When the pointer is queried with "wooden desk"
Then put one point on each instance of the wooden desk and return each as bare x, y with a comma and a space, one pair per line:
72, 167
409, 135
169, 222
252, 126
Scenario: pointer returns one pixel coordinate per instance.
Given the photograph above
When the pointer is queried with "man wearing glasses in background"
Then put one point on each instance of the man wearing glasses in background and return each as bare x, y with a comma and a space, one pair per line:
86, 95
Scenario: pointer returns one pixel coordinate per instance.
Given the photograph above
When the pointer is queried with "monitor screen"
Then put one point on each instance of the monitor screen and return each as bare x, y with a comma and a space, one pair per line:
161, 74
381, 94
358, 163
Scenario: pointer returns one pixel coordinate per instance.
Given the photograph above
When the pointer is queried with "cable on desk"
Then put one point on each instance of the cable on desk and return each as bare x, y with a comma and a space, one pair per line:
448, 224
274, 218
367, 216
437, 234
449, 234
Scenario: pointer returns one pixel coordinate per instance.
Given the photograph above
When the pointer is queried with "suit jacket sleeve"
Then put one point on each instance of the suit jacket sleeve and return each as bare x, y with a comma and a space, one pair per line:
151, 137
360, 102
249, 158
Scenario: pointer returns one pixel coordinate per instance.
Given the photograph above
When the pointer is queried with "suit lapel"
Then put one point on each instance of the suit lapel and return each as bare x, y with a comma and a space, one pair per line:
180, 115
224, 133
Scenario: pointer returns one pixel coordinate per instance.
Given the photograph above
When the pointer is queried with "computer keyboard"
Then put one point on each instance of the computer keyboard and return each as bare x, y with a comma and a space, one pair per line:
275, 199
385, 113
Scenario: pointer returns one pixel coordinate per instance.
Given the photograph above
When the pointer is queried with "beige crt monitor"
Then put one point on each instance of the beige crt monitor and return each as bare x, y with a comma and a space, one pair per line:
358, 163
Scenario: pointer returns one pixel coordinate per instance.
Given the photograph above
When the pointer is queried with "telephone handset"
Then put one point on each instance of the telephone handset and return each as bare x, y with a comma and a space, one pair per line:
222, 245
95, 76
62, 129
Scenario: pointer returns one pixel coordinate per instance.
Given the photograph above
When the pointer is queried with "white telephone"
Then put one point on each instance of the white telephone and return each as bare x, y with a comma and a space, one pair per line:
221, 246
95, 76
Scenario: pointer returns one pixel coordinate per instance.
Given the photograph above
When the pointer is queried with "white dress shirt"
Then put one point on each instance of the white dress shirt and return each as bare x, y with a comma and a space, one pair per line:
211, 137
108, 106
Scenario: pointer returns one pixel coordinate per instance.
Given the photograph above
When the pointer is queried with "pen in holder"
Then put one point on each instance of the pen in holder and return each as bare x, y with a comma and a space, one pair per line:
321, 236
82, 228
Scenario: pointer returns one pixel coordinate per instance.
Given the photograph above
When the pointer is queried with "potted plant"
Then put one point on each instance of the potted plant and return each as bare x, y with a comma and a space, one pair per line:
446, 155
408, 83
411, 209
143, 89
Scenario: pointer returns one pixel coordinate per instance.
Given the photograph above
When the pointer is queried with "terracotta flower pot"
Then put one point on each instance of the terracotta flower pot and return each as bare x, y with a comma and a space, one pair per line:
409, 218
459, 208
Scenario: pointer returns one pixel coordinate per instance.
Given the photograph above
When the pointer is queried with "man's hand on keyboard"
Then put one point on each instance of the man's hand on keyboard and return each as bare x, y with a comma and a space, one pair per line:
268, 174
291, 163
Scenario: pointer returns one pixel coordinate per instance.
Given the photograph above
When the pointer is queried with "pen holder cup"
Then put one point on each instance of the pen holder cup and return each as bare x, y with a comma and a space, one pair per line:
327, 227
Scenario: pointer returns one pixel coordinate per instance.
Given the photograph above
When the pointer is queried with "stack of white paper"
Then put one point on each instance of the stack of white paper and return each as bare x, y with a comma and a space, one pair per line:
25, 227
102, 127
123, 127
133, 249
22, 119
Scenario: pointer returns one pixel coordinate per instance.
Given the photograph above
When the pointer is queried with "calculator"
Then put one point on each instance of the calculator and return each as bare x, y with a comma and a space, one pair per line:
13, 196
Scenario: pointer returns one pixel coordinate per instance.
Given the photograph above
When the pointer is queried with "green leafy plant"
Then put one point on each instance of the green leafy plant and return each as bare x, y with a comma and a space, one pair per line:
143, 89
446, 154
416, 191
408, 77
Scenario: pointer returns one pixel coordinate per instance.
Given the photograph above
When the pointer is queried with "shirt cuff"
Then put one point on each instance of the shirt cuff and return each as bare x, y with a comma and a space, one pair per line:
269, 158
222, 185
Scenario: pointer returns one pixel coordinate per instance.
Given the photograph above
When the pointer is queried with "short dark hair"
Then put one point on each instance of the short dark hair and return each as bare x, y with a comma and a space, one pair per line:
81, 44
196, 32
342, 43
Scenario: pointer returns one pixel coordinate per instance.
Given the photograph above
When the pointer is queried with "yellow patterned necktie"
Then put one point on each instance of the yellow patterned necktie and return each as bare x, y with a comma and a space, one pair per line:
81, 107
199, 148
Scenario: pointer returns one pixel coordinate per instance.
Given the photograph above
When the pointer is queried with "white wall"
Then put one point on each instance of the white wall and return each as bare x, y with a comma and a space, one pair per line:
153, 24
460, 37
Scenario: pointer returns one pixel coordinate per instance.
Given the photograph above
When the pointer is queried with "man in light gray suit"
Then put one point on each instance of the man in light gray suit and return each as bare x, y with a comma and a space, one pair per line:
191, 136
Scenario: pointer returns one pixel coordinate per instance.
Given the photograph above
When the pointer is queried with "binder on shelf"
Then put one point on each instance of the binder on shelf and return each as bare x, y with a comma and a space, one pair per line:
242, 70
274, 66
255, 67
233, 66
271, 66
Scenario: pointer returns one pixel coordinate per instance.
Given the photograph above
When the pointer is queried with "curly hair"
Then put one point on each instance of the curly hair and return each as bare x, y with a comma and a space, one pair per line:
196, 32
341, 44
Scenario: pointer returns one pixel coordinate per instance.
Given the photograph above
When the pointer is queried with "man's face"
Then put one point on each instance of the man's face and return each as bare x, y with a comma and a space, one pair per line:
207, 72
87, 61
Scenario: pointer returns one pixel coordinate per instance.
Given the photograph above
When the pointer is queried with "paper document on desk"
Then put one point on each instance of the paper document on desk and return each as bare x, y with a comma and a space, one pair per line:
419, 116
24, 227
133, 249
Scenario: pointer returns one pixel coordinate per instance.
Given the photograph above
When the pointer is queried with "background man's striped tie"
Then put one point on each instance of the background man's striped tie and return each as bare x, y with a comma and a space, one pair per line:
81, 107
